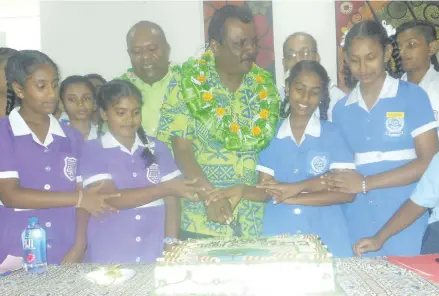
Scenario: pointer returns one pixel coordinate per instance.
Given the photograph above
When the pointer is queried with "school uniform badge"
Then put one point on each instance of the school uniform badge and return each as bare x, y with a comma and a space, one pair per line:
153, 173
395, 124
70, 164
318, 164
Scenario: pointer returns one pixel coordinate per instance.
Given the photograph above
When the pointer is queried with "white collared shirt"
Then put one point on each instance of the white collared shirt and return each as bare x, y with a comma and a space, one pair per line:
430, 83
64, 118
312, 128
109, 141
335, 95
93, 134
389, 90
426, 193
20, 128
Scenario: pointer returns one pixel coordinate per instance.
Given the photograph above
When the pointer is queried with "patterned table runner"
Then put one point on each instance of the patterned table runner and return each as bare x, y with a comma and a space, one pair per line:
355, 276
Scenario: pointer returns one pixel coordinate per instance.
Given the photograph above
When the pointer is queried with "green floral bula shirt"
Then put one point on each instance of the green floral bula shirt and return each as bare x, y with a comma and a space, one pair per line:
222, 167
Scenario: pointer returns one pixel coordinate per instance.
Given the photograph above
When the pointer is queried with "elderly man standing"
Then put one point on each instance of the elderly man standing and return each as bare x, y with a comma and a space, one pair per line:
302, 46
151, 70
219, 112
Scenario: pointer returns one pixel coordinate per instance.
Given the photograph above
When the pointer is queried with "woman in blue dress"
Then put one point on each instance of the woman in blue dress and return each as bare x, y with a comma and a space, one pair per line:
390, 126
305, 148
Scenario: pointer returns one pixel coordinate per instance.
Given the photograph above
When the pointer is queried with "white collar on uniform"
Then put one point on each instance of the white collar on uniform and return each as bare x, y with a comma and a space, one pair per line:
20, 128
312, 129
331, 85
389, 90
430, 76
109, 141
64, 117
93, 134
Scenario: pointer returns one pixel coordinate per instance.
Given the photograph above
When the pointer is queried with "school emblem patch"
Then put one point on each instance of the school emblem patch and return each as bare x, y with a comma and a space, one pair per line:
395, 124
70, 168
153, 173
318, 164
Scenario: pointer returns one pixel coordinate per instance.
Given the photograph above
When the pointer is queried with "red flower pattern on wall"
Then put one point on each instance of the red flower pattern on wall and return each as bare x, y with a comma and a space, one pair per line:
395, 13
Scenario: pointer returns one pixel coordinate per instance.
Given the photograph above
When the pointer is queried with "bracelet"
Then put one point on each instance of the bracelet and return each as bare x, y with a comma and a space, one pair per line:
169, 240
363, 186
78, 205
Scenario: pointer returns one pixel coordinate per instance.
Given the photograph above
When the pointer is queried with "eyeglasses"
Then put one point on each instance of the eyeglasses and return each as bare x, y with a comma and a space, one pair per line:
303, 53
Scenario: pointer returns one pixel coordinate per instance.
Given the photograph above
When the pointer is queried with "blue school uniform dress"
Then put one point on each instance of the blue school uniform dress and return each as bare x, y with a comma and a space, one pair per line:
320, 149
426, 195
383, 139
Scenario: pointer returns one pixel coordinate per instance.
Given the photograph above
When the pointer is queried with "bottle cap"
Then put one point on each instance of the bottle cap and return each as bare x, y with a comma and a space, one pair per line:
32, 220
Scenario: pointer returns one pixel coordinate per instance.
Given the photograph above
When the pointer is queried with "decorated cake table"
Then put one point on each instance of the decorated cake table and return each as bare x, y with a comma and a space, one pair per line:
355, 277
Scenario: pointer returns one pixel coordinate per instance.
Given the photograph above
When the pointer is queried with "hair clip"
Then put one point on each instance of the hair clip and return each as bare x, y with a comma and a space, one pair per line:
342, 42
389, 28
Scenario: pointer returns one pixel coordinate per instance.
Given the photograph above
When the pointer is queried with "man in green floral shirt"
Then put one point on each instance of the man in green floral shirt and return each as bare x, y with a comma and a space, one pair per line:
219, 112
151, 70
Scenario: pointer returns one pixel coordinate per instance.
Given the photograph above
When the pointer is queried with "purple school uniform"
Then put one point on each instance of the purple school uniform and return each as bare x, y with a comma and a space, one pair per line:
132, 235
48, 166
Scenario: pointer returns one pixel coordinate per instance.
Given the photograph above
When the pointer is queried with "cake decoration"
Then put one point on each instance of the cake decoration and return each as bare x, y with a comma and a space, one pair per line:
246, 266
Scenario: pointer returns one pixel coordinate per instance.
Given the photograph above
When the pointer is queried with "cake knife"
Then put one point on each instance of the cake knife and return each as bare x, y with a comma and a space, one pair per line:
236, 227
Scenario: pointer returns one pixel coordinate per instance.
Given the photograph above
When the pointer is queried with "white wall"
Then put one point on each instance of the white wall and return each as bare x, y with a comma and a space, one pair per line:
316, 17
20, 21
89, 36
86, 37
2, 39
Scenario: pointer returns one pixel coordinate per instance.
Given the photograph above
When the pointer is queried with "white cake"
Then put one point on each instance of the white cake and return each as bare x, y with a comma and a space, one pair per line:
278, 266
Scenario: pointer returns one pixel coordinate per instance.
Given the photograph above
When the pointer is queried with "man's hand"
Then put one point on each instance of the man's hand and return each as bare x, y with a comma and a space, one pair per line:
220, 211
233, 194
207, 192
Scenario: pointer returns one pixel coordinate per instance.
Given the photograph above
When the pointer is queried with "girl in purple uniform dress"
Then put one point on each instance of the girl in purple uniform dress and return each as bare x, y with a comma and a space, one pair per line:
78, 97
38, 159
143, 170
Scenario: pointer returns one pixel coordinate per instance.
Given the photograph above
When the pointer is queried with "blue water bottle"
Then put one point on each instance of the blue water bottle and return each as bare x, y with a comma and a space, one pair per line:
34, 247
